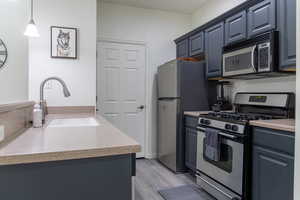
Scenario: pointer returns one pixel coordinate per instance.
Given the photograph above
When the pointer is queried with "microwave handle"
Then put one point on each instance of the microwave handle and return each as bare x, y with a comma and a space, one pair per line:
253, 58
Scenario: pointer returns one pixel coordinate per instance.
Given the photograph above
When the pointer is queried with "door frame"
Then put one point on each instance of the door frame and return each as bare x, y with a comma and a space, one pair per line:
148, 108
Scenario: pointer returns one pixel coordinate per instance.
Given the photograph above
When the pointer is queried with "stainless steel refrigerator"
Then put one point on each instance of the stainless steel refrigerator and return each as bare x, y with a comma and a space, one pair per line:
182, 86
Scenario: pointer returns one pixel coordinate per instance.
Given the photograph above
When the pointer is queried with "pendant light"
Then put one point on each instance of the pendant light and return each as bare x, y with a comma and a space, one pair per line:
31, 29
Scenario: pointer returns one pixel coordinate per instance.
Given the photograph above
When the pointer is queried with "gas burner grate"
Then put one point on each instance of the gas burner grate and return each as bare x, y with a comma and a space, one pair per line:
239, 116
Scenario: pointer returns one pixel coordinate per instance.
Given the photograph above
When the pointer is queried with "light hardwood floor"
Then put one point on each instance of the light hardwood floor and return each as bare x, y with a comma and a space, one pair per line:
151, 176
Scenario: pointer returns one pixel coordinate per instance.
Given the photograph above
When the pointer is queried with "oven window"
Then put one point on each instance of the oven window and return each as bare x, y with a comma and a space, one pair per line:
226, 158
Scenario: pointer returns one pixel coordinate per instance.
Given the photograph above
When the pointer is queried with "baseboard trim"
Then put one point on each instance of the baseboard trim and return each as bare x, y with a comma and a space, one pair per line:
71, 109
151, 156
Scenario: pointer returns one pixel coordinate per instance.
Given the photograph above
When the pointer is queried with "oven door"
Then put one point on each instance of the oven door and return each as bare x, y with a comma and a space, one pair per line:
240, 62
229, 170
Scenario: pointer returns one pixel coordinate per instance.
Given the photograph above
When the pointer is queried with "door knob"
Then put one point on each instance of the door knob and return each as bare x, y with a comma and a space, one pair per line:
141, 107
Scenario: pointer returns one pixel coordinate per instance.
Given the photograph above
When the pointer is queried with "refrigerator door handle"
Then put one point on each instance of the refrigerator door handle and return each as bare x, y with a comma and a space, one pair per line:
141, 107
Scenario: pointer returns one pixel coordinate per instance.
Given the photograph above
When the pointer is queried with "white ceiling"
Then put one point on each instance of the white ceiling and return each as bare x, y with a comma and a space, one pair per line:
184, 6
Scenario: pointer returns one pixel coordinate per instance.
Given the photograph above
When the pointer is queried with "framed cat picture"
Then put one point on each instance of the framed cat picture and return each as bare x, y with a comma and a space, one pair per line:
63, 42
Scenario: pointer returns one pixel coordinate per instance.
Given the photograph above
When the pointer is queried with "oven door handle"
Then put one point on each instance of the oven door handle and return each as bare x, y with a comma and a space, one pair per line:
220, 133
252, 58
216, 188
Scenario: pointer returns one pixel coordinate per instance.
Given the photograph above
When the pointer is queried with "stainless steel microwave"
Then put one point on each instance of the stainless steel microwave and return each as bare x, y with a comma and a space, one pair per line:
254, 56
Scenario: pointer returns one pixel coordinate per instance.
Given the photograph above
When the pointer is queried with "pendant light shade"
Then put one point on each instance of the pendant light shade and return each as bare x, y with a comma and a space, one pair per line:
31, 29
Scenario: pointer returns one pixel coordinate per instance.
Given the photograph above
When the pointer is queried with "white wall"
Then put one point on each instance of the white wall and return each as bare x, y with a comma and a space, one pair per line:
212, 9
297, 151
157, 29
80, 74
282, 84
14, 75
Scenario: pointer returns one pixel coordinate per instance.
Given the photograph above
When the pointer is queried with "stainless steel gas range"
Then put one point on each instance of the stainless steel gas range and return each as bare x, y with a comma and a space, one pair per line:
227, 175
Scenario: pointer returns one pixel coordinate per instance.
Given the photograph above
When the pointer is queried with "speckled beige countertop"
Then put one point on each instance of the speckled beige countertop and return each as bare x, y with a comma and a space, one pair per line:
196, 113
65, 143
277, 124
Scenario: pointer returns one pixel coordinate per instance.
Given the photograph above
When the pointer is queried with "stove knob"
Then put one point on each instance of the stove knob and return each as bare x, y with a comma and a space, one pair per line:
207, 122
234, 128
228, 126
202, 121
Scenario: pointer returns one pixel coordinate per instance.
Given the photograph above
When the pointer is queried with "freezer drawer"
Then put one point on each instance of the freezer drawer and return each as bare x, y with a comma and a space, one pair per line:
167, 132
168, 86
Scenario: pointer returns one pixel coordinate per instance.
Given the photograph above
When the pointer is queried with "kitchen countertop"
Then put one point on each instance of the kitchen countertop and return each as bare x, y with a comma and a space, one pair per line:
66, 143
196, 113
277, 124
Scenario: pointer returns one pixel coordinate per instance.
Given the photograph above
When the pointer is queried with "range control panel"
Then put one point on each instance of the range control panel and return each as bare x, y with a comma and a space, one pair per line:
236, 128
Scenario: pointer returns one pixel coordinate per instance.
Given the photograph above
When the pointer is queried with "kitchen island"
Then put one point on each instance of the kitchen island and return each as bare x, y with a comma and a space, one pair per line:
71, 162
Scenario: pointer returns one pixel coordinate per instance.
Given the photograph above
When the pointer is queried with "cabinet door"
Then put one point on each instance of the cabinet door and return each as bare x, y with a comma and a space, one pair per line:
262, 17
214, 42
235, 28
272, 175
191, 148
183, 49
287, 32
196, 44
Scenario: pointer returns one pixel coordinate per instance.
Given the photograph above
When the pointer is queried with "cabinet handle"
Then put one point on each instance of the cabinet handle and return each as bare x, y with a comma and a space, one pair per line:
252, 59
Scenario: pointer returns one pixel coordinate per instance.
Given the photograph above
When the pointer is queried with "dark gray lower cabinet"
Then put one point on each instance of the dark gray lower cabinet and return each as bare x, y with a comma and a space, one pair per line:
191, 148
272, 165
191, 142
286, 11
106, 178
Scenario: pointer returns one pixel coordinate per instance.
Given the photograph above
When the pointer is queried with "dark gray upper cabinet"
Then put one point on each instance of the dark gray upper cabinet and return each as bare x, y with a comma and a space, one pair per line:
236, 28
183, 49
196, 44
272, 164
214, 42
286, 12
262, 17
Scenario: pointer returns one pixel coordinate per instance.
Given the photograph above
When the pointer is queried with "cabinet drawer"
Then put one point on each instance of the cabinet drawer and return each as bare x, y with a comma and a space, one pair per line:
191, 121
277, 140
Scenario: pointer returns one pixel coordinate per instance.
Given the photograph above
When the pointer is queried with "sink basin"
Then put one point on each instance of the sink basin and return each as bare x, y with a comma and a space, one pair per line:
75, 122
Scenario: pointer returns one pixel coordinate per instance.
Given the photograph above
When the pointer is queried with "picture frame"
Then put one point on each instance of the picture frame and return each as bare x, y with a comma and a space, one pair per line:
63, 42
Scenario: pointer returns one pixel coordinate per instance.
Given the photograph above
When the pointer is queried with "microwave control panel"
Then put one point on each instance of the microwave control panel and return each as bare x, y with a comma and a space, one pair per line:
264, 57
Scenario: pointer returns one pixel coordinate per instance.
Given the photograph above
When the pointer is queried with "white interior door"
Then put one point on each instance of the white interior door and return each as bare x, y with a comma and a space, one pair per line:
121, 87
